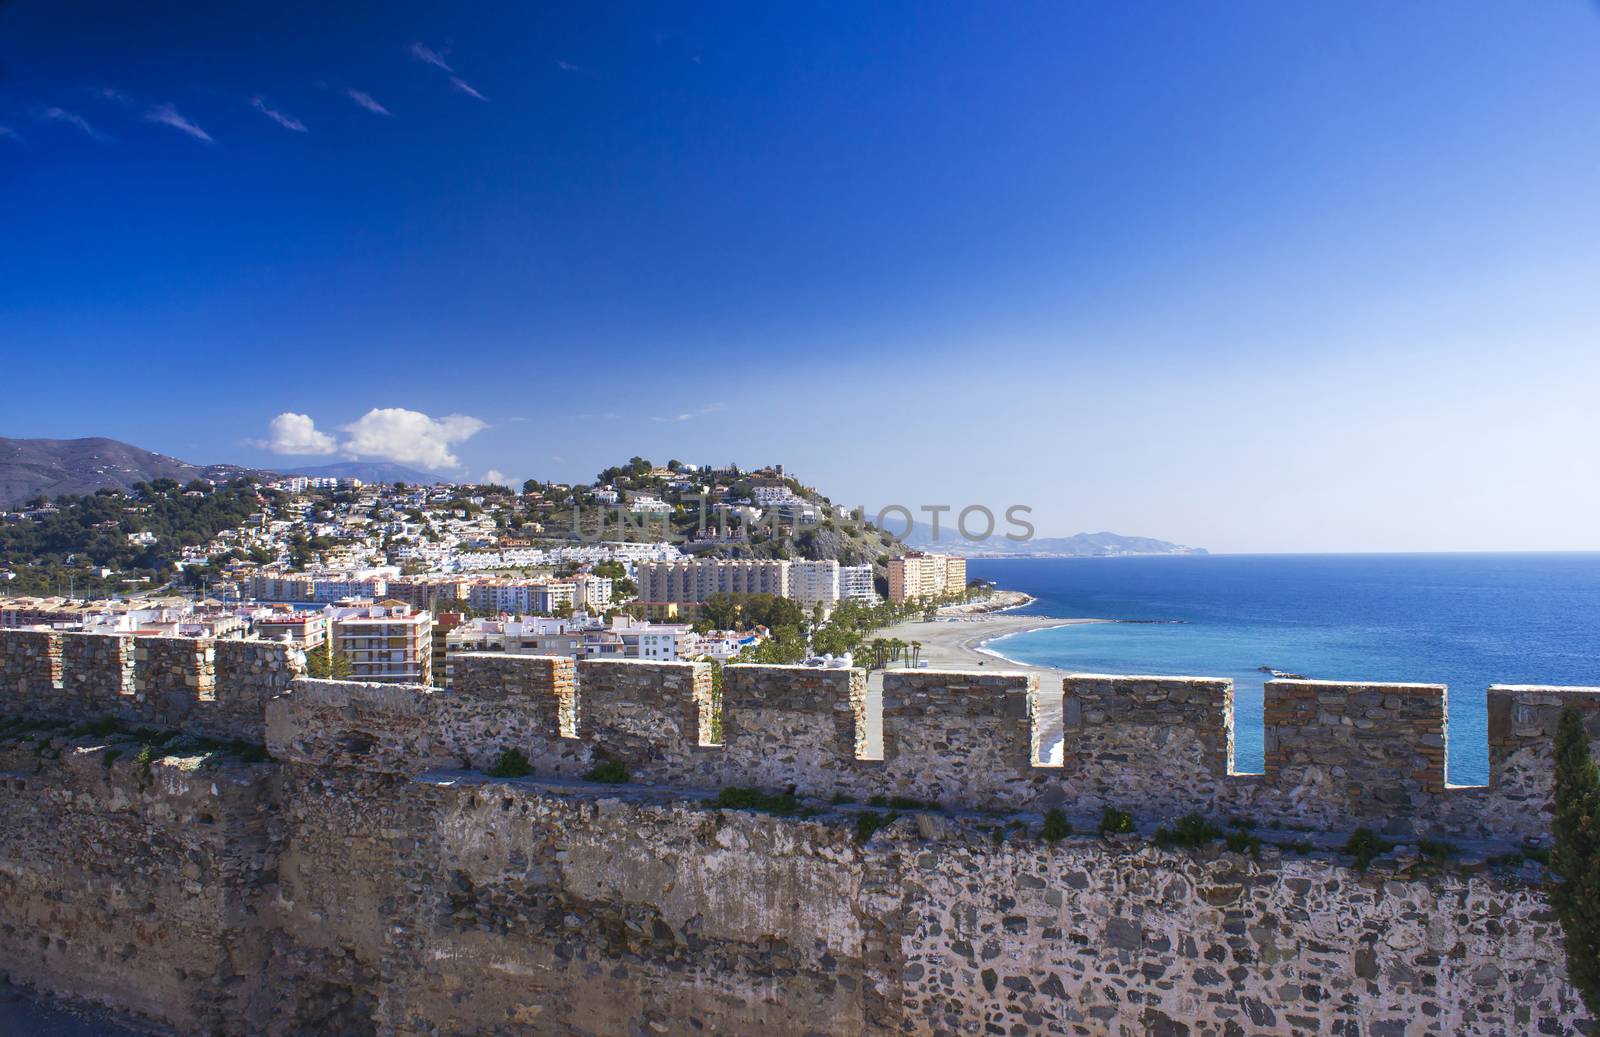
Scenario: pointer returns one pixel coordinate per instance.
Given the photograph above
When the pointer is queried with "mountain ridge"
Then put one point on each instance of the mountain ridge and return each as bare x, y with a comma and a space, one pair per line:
54, 467
1104, 544
366, 471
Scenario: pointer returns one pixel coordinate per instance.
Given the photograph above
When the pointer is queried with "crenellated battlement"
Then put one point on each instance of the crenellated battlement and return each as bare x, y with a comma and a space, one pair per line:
218, 689
1338, 755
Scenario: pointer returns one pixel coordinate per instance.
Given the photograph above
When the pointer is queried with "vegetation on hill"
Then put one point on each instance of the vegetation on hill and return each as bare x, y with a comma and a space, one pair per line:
73, 535
695, 522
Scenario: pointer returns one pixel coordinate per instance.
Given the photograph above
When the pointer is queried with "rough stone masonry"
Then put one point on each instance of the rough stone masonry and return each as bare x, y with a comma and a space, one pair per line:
364, 876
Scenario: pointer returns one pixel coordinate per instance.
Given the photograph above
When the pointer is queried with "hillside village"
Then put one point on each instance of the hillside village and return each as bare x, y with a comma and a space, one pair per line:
384, 581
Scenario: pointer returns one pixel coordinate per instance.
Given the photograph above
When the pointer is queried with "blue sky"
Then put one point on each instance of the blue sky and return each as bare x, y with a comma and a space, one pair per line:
1249, 275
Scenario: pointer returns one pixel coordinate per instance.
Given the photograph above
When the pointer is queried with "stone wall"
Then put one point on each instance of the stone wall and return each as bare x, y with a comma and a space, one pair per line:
214, 688
372, 880
136, 885
653, 718
1163, 744
967, 739
288, 899
793, 725
1341, 755
499, 703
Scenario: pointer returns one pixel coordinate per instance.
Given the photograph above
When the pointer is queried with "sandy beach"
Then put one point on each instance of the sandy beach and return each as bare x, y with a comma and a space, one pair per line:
955, 643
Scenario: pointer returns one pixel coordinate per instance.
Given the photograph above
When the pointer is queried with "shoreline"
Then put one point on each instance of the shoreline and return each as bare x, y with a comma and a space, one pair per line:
965, 642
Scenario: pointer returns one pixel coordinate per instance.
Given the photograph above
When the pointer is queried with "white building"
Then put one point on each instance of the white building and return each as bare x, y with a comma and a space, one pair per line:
855, 583
814, 583
645, 504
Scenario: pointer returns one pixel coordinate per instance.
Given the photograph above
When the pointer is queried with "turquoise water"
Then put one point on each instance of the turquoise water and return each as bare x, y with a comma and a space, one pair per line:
1463, 620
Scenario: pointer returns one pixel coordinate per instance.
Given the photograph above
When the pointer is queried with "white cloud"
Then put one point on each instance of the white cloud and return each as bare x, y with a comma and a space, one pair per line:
466, 88
429, 56
410, 437
292, 433
288, 122
365, 100
72, 119
495, 477
167, 115
8, 133
710, 408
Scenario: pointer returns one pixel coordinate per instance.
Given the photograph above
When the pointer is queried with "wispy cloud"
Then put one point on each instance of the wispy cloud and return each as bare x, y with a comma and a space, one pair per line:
466, 88
428, 56
54, 114
567, 66
710, 408
106, 93
288, 122
7, 133
365, 100
167, 115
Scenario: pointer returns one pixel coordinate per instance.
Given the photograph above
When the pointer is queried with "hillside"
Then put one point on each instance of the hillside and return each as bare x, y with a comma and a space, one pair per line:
826, 534
52, 467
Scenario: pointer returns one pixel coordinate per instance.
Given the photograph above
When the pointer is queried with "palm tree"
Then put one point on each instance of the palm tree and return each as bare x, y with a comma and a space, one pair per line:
916, 652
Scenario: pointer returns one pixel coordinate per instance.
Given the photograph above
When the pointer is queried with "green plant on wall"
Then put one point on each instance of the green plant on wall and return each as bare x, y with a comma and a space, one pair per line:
1576, 858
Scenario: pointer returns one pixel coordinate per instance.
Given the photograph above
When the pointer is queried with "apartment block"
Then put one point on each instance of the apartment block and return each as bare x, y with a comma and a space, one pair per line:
280, 587
919, 575
338, 586
431, 593
814, 583
856, 583
522, 597
666, 587
309, 631
388, 642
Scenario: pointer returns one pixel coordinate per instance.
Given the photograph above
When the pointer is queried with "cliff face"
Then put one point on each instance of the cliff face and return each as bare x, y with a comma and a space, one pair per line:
355, 877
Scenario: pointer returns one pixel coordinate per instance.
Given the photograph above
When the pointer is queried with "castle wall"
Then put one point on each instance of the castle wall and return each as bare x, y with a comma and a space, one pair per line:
651, 717
1522, 732
372, 880
454, 904
133, 887
967, 739
1156, 744
794, 725
217, 689
1342, 755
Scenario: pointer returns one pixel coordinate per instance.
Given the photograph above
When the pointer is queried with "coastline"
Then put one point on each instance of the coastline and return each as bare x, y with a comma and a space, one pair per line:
965, 642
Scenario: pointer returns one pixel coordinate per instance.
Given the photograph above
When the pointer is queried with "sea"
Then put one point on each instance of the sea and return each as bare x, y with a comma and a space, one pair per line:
1465, 620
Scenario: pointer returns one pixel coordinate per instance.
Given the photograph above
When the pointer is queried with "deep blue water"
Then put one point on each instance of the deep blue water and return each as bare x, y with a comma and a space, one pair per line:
1468, 621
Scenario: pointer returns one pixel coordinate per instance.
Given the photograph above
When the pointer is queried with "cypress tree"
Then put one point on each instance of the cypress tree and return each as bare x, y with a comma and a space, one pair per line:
1576, 857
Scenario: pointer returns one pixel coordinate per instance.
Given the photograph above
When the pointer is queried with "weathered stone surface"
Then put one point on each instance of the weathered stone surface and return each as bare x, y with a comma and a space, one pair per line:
967, 739
1324, 769
352, 887
793, 725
